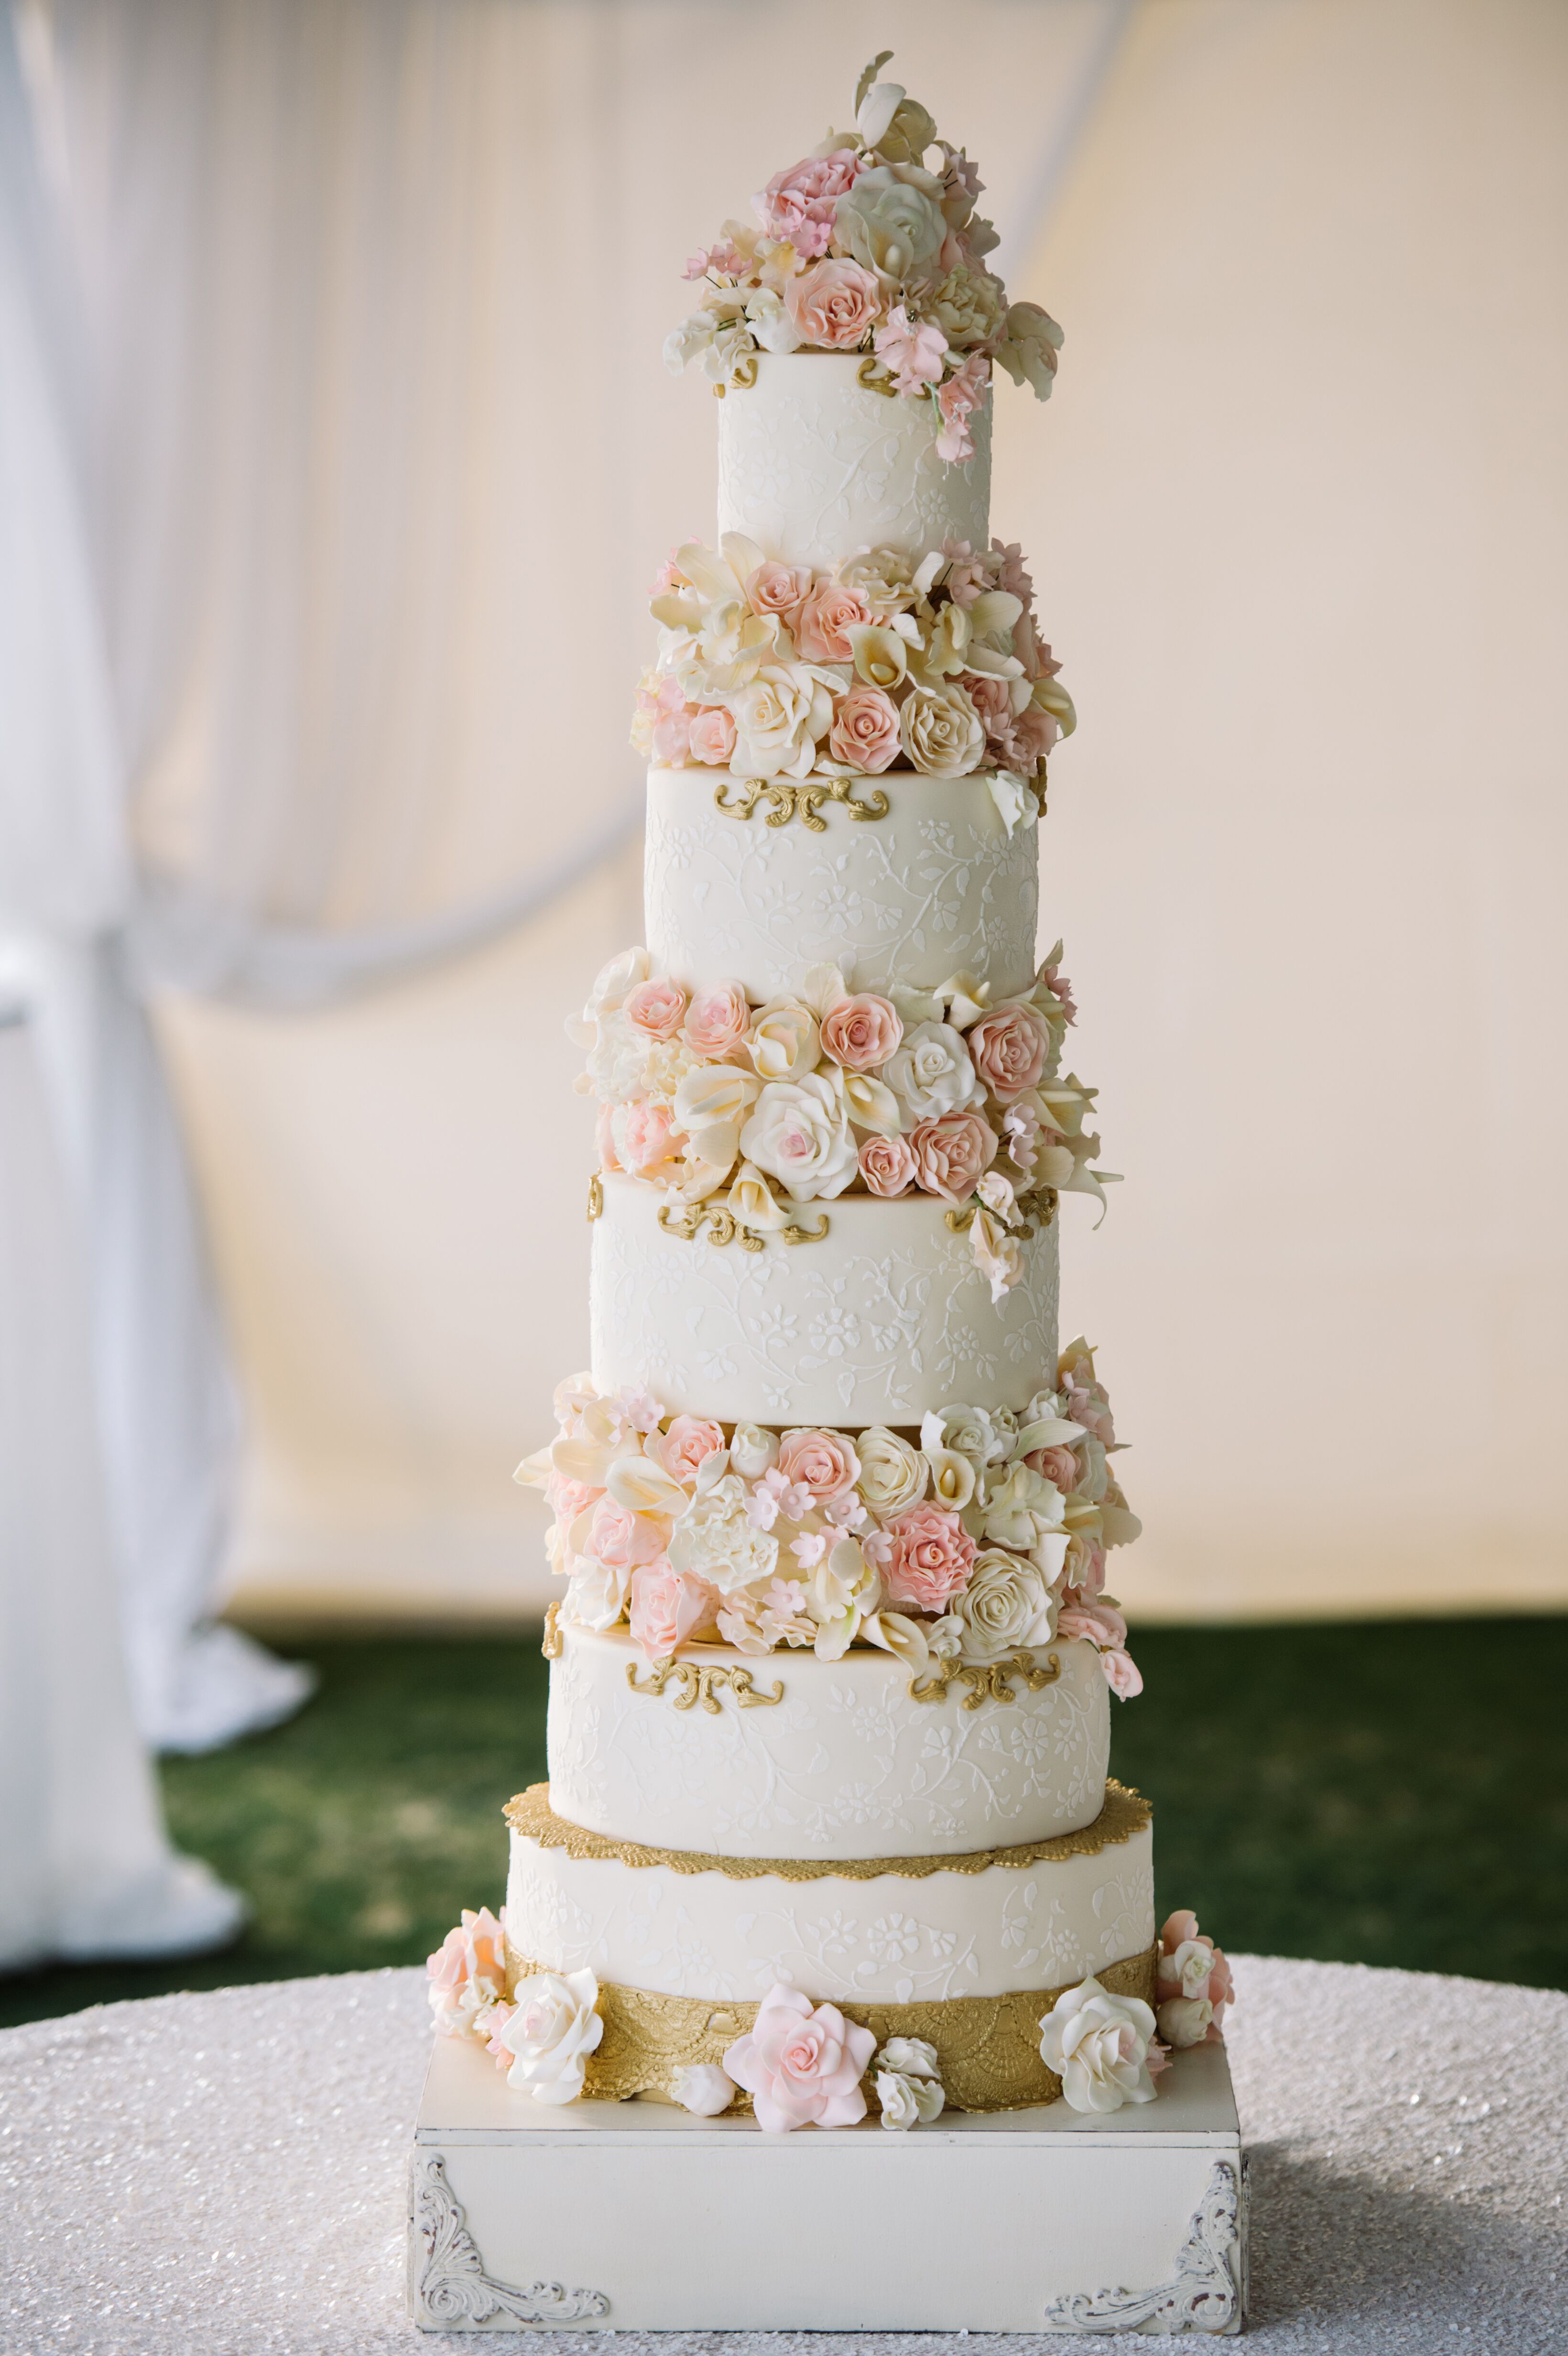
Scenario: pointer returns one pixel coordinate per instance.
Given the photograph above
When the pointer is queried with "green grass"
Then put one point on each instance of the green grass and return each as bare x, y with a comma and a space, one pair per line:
1383, 1794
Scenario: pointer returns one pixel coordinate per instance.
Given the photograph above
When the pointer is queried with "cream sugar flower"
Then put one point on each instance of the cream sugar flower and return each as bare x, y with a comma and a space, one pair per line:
552, 2029
1098, 2045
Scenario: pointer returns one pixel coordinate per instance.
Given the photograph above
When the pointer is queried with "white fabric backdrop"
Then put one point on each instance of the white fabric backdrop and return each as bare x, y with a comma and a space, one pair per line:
382, 289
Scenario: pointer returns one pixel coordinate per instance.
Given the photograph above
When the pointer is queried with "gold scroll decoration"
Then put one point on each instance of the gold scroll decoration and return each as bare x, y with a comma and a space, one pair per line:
987, 2047
1124, 1815
553, 1644
699, 1682
987, 1680
723, 1227
595, 1197
1041, 1204
783, 802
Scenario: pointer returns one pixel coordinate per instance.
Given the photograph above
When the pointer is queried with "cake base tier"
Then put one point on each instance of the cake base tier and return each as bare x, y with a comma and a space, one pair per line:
1050, 2220
784, 1755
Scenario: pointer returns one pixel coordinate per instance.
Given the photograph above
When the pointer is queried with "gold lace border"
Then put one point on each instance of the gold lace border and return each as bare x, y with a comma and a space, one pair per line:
1124, 1815
987, 2047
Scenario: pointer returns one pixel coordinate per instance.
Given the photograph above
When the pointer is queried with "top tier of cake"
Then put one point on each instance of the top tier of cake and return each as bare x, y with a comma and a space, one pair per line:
813, 465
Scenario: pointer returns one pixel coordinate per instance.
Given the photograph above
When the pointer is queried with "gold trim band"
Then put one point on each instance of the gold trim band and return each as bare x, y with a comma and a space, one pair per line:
987, 2047
1124, 1815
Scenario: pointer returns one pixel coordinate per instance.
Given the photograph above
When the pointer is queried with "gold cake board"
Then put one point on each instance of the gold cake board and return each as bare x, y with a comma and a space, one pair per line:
631, 2216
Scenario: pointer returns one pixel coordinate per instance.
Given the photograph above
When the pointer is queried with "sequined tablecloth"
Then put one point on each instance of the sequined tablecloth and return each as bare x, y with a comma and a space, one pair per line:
226, 2172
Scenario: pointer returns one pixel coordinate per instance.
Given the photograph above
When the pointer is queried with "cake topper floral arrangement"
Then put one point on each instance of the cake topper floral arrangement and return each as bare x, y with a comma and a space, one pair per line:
755, 1109
777, 671
871, 244
984, 1534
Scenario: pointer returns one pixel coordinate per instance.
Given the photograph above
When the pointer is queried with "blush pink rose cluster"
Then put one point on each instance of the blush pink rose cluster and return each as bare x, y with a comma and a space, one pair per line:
780, 670
691, 1532
1193, 1985
872, 244
831, 1088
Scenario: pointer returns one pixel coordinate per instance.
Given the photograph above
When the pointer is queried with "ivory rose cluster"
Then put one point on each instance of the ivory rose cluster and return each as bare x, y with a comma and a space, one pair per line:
872, 244
987, 1537
776, 671
824, 1089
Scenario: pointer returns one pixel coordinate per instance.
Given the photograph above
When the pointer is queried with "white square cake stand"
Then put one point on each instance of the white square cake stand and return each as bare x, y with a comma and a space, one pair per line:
632, 2216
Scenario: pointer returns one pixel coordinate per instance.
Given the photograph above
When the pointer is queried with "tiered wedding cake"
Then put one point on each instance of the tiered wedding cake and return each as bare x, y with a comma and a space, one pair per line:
828, 1833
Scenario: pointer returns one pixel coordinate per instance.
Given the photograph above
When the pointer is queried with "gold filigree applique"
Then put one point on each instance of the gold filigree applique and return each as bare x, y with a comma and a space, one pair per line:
553, 1643
596, 1196
783, 802
724, 1227
701, 1683
1124, 1815
987, 2047
987, 1680
875, 378
1039, 1204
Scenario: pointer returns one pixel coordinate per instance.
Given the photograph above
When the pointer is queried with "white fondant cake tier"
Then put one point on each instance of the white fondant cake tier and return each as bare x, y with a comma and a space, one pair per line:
936, 888
812, 465
878, 1321
888, 1939
846, 1764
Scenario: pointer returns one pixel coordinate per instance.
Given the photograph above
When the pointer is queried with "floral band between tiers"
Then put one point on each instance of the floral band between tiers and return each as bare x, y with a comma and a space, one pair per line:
987, 2047
1124, 1815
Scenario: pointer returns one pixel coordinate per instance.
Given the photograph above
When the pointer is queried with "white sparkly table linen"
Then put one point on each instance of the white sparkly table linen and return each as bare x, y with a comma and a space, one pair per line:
228, 2172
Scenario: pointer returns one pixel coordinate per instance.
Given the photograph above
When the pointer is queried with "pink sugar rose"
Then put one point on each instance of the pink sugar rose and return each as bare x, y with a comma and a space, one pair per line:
958, 398
1101, 1623
1057, 1464
468, 1971
822, 1461
951, 1154
802, 2066
834, 304
887, 1166
1122, 1674
826, 614
605, 1138
1007, 1048
717, 1020
495, 2020
796, 206
567, 1498
645, 1138
672, 738
666, 1605
1180, 1970
912, 354
623, 1540
865, 731
1034, 733
992, 701
711, 736
776, 588
656, 1007
930, 1558
682, 1448
861, 1032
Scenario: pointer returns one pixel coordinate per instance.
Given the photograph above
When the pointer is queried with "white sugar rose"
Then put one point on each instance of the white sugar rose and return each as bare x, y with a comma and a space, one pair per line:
893, 1473
780, 716
784, 1039
930, 1073
1022, 1509
550, 2032
888, 226
1098, 2045
969, 1432
912, 2057
711, 1104
799, 1134
1184, 2019
598, 1593
753, 1451
941, 731
714, 1539
1005, 1605
907, 2102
